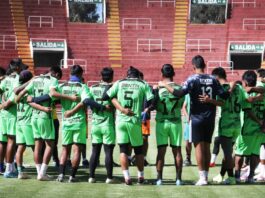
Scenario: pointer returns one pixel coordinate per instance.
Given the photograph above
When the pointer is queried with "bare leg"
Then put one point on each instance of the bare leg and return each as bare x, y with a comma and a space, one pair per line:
160, 161
76, 158
178, 161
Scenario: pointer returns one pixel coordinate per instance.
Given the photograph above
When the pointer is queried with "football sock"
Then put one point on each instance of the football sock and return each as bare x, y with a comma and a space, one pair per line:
237, 174
223, 171
109, 160
230, 172
8, 167
126, 174
140, 173
62, 169
202, 175
13, 167
74, 171
38, 167
213, 158
19, 169
43, 169
159, 175
94, 159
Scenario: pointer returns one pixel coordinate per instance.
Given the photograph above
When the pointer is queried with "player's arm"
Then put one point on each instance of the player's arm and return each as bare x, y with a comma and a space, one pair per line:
55, 94
20, 95
257, 98
207, 99
5, 105
260, 90
118, 106
41, 108
253, 117
176, 92
18, 89
40, 99
184, 109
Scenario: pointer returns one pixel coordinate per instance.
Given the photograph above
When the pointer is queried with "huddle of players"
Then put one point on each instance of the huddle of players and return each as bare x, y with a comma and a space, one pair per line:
30, 122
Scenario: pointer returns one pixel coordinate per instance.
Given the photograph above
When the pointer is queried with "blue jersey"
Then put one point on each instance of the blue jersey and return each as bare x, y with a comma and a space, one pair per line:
203, 84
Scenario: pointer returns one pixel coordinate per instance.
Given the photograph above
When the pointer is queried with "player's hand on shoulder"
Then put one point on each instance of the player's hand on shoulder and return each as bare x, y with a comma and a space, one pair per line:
155, 87
109, 108
67, 114
47, 109
204, 98
127, 112
29, 99
161, 84
75, 98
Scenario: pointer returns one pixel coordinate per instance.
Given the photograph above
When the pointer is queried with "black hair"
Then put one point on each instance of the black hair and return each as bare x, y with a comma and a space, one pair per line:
133, 72
107, 74
2, 71
239, 82
198, 62
15, 64
56, 72
250, 77
25, 76
77, 70
141, 75
168, 71
219, 72
261, 72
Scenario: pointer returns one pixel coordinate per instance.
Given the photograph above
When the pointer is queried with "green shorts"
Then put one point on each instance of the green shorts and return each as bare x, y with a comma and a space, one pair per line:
129, 133
230, 132
169, 132
25, 135
104, 134
9, 126
74, 136
43, 129
247, 145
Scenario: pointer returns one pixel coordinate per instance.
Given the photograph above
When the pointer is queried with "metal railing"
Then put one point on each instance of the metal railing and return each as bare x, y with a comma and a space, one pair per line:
6, 40
161, 2
199, 44
149, 43
70, 62
137, 22
255, 23
50, 1
40, 20
224, 64
243, 2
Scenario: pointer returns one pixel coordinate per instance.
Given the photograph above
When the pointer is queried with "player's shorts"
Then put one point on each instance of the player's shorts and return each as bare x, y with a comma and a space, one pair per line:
168, 132
70, 137
9, 126
25, 135
201, 130
43, 128
146, 128
129, 133
230, 132
3, 138
246, 145
186, 131
104, 134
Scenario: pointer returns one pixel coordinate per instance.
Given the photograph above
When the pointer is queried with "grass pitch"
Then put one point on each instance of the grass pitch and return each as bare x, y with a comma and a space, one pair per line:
33, 188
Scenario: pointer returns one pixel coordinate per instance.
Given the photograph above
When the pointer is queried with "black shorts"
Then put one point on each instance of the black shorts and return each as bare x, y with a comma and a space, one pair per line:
201, 130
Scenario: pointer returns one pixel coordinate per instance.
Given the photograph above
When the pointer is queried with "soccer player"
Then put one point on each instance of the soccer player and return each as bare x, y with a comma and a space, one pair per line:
249, 141
24, 133
202, 114
229, 125
42, 122
128, 96
9, 116
188, 147
3, 138
168, 125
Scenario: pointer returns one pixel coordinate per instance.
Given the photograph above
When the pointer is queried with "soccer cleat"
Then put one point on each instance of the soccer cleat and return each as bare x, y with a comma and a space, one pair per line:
111, 181
2, 168
230, 181
10, 175
187, 162
23, 175
218, 179
85, 163
60, 178
244, 176
250, 180
140, 180
201, 182
91, 180
179, 182
212, 165
259, 178
72, 179
128, 182
44, 178
159, 182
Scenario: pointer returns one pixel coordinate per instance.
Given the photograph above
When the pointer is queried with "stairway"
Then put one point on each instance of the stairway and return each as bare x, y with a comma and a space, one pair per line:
21, 31
114, 34
180, 33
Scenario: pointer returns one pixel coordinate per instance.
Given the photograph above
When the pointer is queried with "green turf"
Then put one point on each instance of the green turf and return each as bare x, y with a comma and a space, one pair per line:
34, 188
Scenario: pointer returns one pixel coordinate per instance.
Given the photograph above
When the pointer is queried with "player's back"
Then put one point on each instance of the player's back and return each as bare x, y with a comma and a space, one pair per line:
101, 117
202, 84
24, 112
169, 106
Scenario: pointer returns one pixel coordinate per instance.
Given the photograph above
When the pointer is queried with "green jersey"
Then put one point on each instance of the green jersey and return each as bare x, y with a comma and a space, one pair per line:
231, 110
40, 86
130, 93
7, 86
76, 121
101, 118
169, 106
24, 112
251, 127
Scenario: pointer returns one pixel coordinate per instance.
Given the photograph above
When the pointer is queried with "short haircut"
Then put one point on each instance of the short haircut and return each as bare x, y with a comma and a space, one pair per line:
55, 70
15, 64
133, 72
25, 76
141, 75
2, 71
261, 72
107, 74
250, 77
239, 82
77, 70
198, 62
219, 72
168, 71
